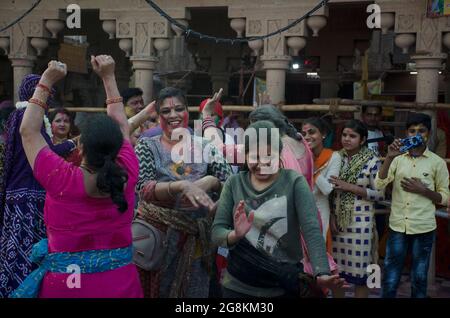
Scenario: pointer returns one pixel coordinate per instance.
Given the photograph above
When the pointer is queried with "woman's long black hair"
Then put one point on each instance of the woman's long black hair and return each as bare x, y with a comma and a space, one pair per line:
102, 139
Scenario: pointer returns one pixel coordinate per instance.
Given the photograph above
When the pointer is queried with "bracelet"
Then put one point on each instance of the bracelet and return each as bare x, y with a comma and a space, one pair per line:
44, 87
114, 100
37, 102
168, 190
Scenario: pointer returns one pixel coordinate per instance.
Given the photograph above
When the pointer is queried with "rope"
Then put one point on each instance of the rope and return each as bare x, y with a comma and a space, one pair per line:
21, 17
189, 32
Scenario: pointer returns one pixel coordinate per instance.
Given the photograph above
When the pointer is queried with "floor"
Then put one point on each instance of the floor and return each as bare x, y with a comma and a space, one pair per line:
440, 289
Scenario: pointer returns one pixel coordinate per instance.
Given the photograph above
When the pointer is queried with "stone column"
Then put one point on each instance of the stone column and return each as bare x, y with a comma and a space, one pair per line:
428, 67
143, 68
329, 84
275, 67
220, 80
22, 65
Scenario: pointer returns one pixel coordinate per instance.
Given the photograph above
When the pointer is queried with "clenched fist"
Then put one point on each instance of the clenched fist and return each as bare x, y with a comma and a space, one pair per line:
54, 72
103, 65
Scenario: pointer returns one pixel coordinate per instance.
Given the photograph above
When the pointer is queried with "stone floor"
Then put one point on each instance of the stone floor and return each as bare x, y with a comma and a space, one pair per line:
440, 289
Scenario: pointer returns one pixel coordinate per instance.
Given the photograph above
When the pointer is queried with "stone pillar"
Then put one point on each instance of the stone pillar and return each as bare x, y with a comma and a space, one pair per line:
220, 80
329, 84
22, 65
428, 67
275, 67
143, 68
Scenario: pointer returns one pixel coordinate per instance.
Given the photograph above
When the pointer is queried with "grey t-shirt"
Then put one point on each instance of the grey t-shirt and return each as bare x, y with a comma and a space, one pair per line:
281, 211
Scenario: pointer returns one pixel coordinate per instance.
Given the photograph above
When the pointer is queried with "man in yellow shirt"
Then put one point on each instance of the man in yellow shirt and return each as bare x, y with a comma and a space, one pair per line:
420, 180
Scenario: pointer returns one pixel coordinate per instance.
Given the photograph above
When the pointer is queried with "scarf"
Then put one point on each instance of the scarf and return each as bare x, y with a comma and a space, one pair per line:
48, 126
195, 229
346, 200
93, 261
321, 162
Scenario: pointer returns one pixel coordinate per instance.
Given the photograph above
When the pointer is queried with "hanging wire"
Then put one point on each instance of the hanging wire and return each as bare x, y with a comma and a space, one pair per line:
21, 17
189, 32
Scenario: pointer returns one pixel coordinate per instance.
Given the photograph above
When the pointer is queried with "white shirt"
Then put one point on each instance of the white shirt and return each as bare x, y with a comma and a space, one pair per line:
374, 145
323, 188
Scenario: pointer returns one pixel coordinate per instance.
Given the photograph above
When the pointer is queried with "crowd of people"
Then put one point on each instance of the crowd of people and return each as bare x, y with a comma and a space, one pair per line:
270, 212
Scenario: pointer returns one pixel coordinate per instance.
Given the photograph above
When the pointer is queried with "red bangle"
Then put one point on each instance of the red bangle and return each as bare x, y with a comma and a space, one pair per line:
44, 87
38, 102
114, 100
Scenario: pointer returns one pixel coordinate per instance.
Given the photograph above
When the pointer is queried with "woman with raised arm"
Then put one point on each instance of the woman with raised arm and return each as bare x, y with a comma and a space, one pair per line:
22, 196
88, 209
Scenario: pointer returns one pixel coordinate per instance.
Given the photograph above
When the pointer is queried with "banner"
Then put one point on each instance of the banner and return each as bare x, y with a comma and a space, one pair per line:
74, 56
438, 8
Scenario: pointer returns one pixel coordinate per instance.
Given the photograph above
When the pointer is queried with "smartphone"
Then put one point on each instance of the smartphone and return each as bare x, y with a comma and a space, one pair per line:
411, 142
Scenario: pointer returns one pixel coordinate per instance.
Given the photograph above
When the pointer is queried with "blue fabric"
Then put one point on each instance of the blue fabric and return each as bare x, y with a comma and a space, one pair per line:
396, 250
21, 206
93, 261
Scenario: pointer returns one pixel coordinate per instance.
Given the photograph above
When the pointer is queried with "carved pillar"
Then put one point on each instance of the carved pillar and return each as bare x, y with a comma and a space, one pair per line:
141, 38
276, 67
428, 67
143, 68
22, 66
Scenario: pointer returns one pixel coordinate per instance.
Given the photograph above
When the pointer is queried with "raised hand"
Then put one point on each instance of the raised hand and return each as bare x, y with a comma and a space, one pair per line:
242, 223
394, 149
103, 65
150, 109
54, 72
263, 99
208, 110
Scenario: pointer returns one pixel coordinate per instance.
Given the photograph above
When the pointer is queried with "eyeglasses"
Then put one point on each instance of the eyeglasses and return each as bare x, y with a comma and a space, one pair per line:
178, 109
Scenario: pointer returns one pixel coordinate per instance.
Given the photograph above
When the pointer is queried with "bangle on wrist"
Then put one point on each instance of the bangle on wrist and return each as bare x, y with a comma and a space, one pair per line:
168, 190
114, 100
38, 102
44, 87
